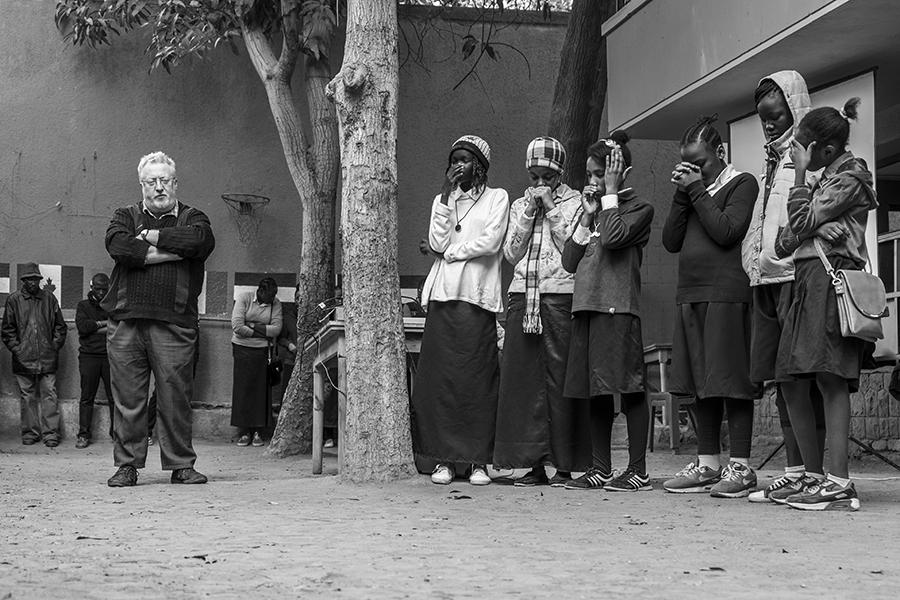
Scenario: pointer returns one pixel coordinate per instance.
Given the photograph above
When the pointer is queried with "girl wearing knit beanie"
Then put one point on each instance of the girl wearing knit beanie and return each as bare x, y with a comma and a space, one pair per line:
454, 404
536, 425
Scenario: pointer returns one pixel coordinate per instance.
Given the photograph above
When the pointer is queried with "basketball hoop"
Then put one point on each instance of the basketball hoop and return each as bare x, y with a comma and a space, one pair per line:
247, 210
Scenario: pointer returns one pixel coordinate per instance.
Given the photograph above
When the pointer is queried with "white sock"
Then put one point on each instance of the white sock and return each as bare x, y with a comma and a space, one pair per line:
795, 472
743, 461
817, 476
839, 480
710, 461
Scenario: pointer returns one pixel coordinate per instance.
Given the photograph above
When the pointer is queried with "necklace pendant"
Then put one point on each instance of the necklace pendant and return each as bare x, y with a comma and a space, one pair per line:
458, 227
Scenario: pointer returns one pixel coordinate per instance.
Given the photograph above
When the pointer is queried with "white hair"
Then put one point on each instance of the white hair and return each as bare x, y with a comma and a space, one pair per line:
155, 157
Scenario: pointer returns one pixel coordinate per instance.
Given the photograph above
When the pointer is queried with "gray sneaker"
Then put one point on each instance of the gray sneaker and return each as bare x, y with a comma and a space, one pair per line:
693, 479
737, 482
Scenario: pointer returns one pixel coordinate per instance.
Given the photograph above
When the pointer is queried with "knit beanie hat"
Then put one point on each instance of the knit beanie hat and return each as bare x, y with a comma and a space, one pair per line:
546, 152
476, 146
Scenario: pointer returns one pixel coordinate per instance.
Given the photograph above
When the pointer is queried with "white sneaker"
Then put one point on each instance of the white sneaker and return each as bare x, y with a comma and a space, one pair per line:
479, 476
443, 474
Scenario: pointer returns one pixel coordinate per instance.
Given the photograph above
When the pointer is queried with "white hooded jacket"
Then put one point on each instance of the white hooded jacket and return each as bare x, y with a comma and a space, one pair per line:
770, 214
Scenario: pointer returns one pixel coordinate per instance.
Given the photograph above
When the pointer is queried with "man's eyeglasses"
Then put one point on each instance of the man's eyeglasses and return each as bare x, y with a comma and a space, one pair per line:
165, 181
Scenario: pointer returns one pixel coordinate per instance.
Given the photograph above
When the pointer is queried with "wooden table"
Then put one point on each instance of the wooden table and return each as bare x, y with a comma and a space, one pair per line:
329, 346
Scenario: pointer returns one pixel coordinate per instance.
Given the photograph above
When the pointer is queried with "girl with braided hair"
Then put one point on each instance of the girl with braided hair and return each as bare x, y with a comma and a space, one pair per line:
708, 219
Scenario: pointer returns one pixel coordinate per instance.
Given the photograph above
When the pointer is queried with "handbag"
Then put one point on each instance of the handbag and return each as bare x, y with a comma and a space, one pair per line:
274, 368
861, 300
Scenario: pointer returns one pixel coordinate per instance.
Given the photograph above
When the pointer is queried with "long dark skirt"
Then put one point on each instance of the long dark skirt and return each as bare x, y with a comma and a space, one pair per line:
711, 351
454, 403
606, 355
536, 424
811, 340
251, 396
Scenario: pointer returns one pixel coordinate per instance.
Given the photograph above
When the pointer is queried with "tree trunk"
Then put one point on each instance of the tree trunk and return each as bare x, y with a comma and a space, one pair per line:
316, 186
377, 436
581, 85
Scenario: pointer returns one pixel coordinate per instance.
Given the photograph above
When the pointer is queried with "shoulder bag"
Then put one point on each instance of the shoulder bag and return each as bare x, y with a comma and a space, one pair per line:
861, 300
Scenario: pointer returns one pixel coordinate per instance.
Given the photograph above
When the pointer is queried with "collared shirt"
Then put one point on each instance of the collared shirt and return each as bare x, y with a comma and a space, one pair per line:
148, 212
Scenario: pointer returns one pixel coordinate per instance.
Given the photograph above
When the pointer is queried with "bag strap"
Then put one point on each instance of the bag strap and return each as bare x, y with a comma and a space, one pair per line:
835, 280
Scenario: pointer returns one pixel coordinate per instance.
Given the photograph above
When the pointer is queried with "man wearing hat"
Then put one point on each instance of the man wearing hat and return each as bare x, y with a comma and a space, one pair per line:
93, 362
34, 330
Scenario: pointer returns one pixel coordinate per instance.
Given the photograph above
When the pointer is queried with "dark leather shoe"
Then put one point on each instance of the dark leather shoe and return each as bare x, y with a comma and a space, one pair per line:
51, 442
126, 476
188, 475
30, 441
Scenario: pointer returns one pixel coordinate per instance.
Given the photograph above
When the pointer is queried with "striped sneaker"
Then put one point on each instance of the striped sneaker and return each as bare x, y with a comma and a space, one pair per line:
763, 494
793, 487
827, 495
693, 479
594, 479
629, 481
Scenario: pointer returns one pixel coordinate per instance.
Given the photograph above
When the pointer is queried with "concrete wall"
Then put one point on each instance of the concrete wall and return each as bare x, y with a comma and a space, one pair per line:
660, 47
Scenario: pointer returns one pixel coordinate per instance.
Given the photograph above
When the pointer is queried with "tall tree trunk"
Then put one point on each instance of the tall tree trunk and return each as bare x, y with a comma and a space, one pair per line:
581, 85
377, 437
316, 186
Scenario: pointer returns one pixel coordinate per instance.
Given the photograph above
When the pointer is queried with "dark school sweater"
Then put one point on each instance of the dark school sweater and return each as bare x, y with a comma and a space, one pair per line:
707, 232
608, 268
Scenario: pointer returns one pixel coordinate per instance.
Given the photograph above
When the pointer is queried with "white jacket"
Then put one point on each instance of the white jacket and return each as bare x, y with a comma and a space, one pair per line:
770, 211
470, 268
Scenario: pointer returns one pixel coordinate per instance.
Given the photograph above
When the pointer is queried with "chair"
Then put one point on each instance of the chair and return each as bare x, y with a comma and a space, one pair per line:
659, 356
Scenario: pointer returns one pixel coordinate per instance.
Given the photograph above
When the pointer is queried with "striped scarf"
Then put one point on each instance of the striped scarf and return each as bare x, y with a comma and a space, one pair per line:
532, 321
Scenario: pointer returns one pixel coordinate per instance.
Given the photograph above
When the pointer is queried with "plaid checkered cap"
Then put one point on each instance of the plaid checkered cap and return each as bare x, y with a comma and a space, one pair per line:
546, 152
476, 146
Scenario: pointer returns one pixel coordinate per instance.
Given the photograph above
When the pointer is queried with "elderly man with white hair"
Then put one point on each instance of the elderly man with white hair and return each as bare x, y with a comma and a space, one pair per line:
159, 246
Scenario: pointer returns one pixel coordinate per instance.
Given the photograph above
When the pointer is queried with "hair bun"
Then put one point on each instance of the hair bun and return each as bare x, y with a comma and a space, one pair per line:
704, 120
851, 109
620, 136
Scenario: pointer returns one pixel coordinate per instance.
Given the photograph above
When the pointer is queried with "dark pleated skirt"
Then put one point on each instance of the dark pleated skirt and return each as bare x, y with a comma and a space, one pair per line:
711, 351
536, 424
606, 355
811, 340
454, 403
251, 396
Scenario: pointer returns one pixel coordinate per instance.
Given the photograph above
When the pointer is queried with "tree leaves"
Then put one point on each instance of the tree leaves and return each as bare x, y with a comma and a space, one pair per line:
190, 28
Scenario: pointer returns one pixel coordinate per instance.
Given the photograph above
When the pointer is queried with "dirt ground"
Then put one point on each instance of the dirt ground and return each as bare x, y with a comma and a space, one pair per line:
267, 528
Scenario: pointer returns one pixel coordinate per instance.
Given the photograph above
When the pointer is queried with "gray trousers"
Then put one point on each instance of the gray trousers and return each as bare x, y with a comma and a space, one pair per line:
39, 408
137, 347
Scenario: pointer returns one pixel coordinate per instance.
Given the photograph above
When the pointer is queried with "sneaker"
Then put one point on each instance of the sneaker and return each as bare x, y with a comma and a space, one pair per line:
126, 476
594, 479
630, 481
329, 443
693, 479
737, 482
188, 475
443, 474
532, 478
479, 476
82, 442
763, 494
793, 487
51, 442
30, 441
560, 480
257, 441
827, 495
244, 440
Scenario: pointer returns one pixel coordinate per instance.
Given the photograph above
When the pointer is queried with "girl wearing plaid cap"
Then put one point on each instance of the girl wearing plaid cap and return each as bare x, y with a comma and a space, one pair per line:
606, 354
454, 404
536, 425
